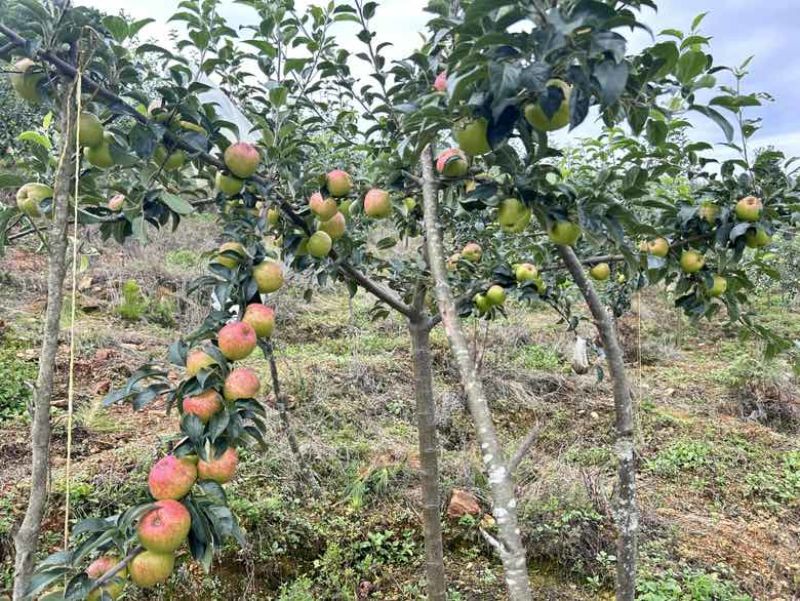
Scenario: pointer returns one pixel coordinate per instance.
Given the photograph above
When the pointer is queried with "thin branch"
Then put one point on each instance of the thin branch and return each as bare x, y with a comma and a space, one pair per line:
523, 448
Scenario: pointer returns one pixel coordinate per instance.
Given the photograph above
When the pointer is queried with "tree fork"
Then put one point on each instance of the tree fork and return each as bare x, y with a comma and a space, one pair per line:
27, 537
626, 513
504, 503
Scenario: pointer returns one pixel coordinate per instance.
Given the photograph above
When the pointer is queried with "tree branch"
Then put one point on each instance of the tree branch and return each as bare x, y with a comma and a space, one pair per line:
523, 448
106, 578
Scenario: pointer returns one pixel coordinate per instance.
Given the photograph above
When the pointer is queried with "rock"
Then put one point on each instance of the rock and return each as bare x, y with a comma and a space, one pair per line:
462, 503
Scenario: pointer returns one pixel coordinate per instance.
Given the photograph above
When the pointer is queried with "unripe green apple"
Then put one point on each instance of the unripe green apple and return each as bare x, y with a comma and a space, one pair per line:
658, 247
377, 204
226, 261
757, 238
482, 303
344, 207
339, 183
319, 244
90, 130
708, 212
335, 226
513, 216
452, 163
496, 295
526, 272
472, 252
26, 82
410, 203
100, 155
536, 116
30, 196
749, 208
452, 261
600, 272
471, 136
692, 261
322, 207
228, 184
719, 287
171, 160
564, 233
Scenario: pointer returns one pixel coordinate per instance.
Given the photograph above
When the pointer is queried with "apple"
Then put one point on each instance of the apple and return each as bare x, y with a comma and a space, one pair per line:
90, 130
261, 318
100, 155
452, 163
242, 159
481, 302
148, 569
564, 233
452, 261
377, 204
692, 261
99, 568
658, 247
319, 244
169, 160
472, 252
237, 340
268, 276
440, 84
339, 183
241, 383
719, 287
116, 202
344, 207
600, 272
749, 208
227, 261
496, 295
513, 216
335, 226
708, 212
228, 184
204, 405
322, 207
196, 360
471, 135
526, 272
757, 238
165, 527
536, 116
410, 203
25, 80
273, 216
30, 196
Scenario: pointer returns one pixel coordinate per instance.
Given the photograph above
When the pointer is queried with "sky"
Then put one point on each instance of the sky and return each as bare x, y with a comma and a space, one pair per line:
765, 29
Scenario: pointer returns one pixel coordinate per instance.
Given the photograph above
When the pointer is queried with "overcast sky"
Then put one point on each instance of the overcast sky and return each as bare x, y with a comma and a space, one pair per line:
766, 29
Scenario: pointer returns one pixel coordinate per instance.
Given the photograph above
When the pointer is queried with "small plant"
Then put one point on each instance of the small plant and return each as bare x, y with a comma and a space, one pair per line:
16, 375
133, 304
681, 456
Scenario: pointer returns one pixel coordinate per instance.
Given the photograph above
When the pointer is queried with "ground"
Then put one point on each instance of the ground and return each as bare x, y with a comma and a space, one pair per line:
718, 465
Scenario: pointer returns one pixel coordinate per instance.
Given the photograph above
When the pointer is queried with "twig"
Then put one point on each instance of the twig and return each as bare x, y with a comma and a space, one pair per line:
523, 448
105, 578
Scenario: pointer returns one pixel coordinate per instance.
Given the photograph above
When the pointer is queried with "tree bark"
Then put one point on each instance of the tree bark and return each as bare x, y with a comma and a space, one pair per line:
420, 332
26, 539
504, 504
626, 513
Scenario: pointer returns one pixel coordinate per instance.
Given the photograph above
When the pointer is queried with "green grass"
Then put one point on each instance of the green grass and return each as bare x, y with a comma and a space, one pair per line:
16, 375
539, 358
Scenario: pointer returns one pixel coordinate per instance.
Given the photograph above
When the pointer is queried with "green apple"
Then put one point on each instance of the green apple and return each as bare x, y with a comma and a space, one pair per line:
749, 208
25, 80
757, 238
600, 272
90, 130
335, 226
496, 295
319, 244
482, 302
719, 287
273, 216
228, 185
169, 160
513, 216
526, 272
658, 247
471, 135
452, 163
564, 233
692, 261
30, 196
536, 116
708, 212
100, 155
410, 203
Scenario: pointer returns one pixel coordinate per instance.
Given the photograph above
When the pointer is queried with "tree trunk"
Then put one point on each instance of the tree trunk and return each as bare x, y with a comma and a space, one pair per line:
504, 504
625, 513
429, 458
27, 536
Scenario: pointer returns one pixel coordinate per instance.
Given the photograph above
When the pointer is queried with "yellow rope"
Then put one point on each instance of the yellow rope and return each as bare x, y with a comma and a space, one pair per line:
71, 385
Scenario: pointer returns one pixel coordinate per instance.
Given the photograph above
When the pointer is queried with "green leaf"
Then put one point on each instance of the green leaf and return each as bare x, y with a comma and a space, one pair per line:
176, 203
717, 118
117, 27
690, 65
36, 138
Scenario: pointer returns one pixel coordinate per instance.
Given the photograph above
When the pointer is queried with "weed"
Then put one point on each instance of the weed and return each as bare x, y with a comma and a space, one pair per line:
16, 376
133, 303
681, 456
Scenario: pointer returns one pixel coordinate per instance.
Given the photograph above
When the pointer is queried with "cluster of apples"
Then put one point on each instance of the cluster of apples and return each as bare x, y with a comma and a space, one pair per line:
471, 133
